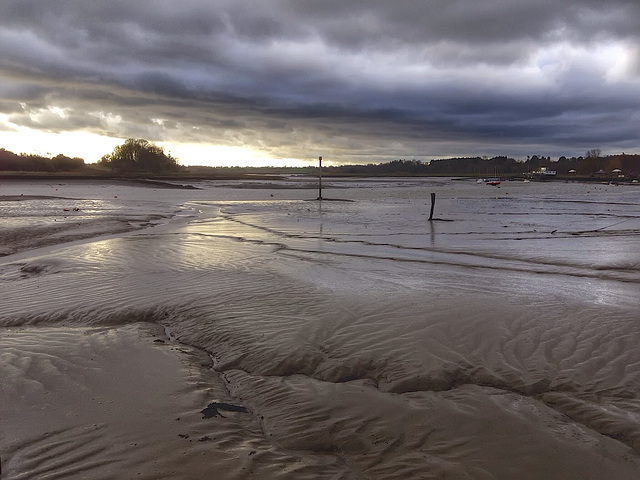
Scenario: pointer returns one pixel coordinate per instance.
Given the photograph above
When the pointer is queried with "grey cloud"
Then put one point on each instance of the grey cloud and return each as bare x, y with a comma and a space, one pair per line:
374, 77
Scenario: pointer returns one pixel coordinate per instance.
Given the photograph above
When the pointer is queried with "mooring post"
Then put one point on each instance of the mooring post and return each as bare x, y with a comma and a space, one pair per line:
433, 204
319, 178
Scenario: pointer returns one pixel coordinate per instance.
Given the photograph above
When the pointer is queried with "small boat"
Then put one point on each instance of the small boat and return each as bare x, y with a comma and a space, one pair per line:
492, 181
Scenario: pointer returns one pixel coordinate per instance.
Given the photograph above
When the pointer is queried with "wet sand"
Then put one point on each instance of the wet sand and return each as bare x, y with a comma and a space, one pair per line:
343, 340
105, 403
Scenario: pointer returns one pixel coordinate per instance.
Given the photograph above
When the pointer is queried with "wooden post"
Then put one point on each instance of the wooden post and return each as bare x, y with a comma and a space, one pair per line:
319, 178
433, 204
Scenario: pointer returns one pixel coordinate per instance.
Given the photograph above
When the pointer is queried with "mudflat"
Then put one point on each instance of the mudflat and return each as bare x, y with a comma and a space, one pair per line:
252, 333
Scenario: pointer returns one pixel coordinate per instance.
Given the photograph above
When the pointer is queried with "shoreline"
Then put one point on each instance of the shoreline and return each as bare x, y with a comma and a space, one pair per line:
143, 181
164, 180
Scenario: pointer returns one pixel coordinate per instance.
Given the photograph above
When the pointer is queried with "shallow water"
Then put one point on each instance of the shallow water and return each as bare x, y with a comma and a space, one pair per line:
498, 341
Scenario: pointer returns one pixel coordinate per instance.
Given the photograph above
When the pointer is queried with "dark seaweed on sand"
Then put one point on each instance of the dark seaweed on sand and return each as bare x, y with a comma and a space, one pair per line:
212, 409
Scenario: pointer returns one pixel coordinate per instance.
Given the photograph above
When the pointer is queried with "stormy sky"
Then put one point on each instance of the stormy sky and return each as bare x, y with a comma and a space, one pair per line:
355, 81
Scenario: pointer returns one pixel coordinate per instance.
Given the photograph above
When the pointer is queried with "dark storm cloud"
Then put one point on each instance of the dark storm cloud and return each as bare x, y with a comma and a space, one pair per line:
350, 78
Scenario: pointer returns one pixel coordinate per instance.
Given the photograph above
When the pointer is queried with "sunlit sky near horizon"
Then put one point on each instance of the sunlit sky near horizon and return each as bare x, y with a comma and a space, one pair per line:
239, 82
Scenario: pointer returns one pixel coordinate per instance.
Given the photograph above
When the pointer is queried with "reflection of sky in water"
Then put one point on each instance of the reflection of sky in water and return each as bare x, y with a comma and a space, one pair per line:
556, 232
551, 227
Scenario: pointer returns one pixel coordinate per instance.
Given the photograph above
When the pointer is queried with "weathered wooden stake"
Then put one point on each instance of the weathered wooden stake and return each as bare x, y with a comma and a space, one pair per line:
319, 178
433, 204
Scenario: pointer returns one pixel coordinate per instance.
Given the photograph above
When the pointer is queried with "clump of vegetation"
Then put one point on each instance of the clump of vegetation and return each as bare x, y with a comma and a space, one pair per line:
139, 156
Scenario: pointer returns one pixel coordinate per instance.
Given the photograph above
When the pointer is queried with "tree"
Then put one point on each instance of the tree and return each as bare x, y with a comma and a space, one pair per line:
139, 156
592, 163
62, 163
9, 160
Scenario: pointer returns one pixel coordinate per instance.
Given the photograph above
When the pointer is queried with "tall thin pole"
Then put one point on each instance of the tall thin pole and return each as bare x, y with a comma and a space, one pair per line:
319, 178
433, 204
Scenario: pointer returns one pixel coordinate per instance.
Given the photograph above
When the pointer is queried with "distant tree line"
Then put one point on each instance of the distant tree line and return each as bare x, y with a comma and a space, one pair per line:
11, 162
588, 166
132, 157
139, 156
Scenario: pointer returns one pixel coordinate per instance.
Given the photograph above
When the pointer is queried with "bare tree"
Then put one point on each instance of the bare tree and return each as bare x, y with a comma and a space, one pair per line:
594, 153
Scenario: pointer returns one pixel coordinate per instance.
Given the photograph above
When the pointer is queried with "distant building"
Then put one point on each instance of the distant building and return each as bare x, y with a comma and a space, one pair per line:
545, 171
